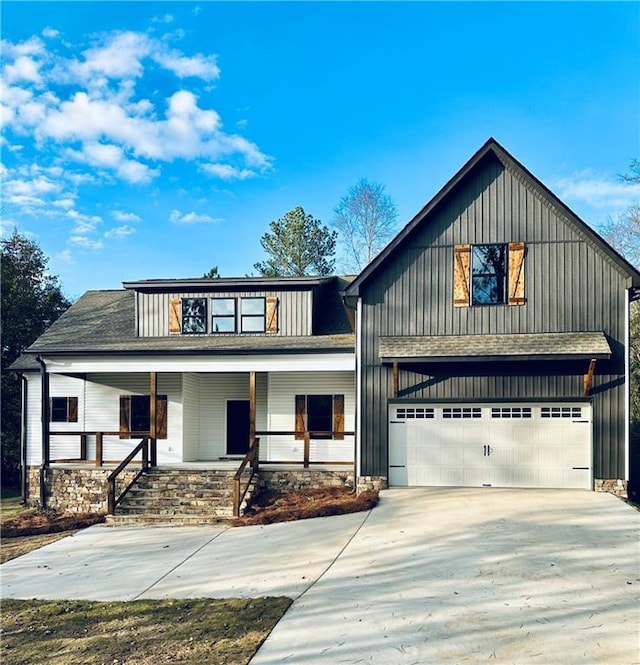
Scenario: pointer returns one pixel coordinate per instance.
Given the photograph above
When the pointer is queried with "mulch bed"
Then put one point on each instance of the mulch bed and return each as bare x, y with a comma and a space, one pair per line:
271, 507
37, 522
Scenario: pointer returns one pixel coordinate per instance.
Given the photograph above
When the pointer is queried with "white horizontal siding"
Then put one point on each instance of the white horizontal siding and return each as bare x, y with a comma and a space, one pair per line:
191, 420
99, 411
283, 387
214, 391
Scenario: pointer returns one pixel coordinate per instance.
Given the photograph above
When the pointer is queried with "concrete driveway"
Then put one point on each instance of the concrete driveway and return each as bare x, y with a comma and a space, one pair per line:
431, 576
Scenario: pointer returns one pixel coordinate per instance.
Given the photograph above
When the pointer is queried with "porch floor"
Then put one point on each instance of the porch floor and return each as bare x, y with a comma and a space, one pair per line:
212, 465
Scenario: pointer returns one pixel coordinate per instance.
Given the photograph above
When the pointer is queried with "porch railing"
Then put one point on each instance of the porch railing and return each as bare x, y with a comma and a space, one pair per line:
306, 455
252, 458
112, 499
99, 460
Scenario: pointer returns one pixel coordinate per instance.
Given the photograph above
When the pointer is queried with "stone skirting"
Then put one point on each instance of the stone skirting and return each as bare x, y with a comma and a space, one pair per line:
73, 489
298, 479
376, 483
611, 485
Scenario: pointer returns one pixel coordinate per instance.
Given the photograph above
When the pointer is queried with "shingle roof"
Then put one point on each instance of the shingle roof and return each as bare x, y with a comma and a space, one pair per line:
104, 322
535, 346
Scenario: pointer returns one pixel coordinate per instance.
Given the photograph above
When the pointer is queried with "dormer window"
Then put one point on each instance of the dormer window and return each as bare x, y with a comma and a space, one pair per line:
194, 316
252, 315
223, 315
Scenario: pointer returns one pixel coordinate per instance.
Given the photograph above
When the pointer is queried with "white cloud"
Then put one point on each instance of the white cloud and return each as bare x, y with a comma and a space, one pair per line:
200, 66
126, 216
598, 191
23, 68
65, 256
178, 217
50, 33
120, 232
227, 172
87, 243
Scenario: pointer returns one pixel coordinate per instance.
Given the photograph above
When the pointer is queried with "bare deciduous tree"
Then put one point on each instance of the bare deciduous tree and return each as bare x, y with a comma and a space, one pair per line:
366, 220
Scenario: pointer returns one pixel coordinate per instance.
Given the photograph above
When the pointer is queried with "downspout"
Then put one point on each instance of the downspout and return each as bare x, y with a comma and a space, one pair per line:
23, 439
358, 437
627, 382
44, 465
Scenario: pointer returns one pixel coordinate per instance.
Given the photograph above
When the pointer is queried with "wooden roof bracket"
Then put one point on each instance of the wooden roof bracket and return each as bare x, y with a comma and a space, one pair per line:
588, 377
396, 380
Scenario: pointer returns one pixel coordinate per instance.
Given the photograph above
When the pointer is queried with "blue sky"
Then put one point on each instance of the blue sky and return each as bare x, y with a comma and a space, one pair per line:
157, 139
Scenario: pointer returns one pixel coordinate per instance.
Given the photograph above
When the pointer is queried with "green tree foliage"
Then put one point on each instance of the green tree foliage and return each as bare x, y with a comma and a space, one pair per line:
212, 274
297, 245
31, 301
366, 220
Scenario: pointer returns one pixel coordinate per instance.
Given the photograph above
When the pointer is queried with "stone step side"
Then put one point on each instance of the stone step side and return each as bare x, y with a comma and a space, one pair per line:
179, 497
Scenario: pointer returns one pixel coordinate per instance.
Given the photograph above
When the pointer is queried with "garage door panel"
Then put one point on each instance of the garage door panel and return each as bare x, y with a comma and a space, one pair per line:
501, 446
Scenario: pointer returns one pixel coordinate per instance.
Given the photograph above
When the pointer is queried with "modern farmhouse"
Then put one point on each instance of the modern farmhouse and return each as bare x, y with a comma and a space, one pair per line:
486, 345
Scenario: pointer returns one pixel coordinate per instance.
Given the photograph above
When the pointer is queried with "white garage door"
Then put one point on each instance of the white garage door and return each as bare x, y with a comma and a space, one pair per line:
492, 445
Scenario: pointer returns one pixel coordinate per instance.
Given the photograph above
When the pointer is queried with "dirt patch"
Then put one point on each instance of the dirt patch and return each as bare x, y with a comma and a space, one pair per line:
269, 507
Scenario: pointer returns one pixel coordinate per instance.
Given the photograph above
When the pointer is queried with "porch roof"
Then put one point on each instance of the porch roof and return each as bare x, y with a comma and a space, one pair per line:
466, 348
103, 323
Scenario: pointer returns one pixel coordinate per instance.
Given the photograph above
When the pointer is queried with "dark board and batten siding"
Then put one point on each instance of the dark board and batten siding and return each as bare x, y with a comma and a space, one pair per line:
294, 310
570, 286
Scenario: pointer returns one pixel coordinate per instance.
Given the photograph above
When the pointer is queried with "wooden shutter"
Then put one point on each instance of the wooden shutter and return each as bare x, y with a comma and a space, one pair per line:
461, 275
301, 407
175, 316
516, 273
272, 314
161, 417
338, 417
72, 409
125, 415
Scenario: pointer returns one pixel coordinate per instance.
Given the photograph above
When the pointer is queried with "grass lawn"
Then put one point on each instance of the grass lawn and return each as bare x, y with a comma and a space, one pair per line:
140, 632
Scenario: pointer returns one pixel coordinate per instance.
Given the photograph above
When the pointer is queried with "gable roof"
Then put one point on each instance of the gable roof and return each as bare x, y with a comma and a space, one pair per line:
491, 147
103, 322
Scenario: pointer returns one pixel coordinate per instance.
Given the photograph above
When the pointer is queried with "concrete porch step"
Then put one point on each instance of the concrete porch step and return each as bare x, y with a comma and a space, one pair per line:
165, 520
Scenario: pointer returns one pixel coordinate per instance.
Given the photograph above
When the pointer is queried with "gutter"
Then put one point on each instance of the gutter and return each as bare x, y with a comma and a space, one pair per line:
23, 440
44, 417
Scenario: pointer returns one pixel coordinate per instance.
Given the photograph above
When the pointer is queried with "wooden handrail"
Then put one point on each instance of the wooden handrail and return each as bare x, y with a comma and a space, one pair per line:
112, 500
252, 457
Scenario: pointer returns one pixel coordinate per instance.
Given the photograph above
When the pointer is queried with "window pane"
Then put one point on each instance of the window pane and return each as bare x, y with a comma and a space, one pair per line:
253, 323
488, 260
140, 413
488, 269
59, 409
224, 324
320, 414
252, 306
194, 315
223, 306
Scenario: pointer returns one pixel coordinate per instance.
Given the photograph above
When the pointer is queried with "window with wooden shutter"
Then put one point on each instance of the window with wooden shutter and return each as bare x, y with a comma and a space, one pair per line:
461, 275
175, 316
338, 417
63, 409
516, 273
272, 314
135, 415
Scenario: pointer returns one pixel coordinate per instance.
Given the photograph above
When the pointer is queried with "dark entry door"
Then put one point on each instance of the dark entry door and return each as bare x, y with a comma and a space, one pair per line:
237, 426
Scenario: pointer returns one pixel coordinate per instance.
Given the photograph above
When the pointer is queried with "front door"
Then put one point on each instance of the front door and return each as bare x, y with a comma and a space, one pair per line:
237, 426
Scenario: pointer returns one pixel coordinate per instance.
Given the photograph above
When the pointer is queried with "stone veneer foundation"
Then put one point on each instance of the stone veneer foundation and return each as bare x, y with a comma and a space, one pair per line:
612, 485
73, 489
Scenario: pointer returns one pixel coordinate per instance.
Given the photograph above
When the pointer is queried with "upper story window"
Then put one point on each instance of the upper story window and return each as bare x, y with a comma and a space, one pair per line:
223, 315
489, 274
194, 316
252, 315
